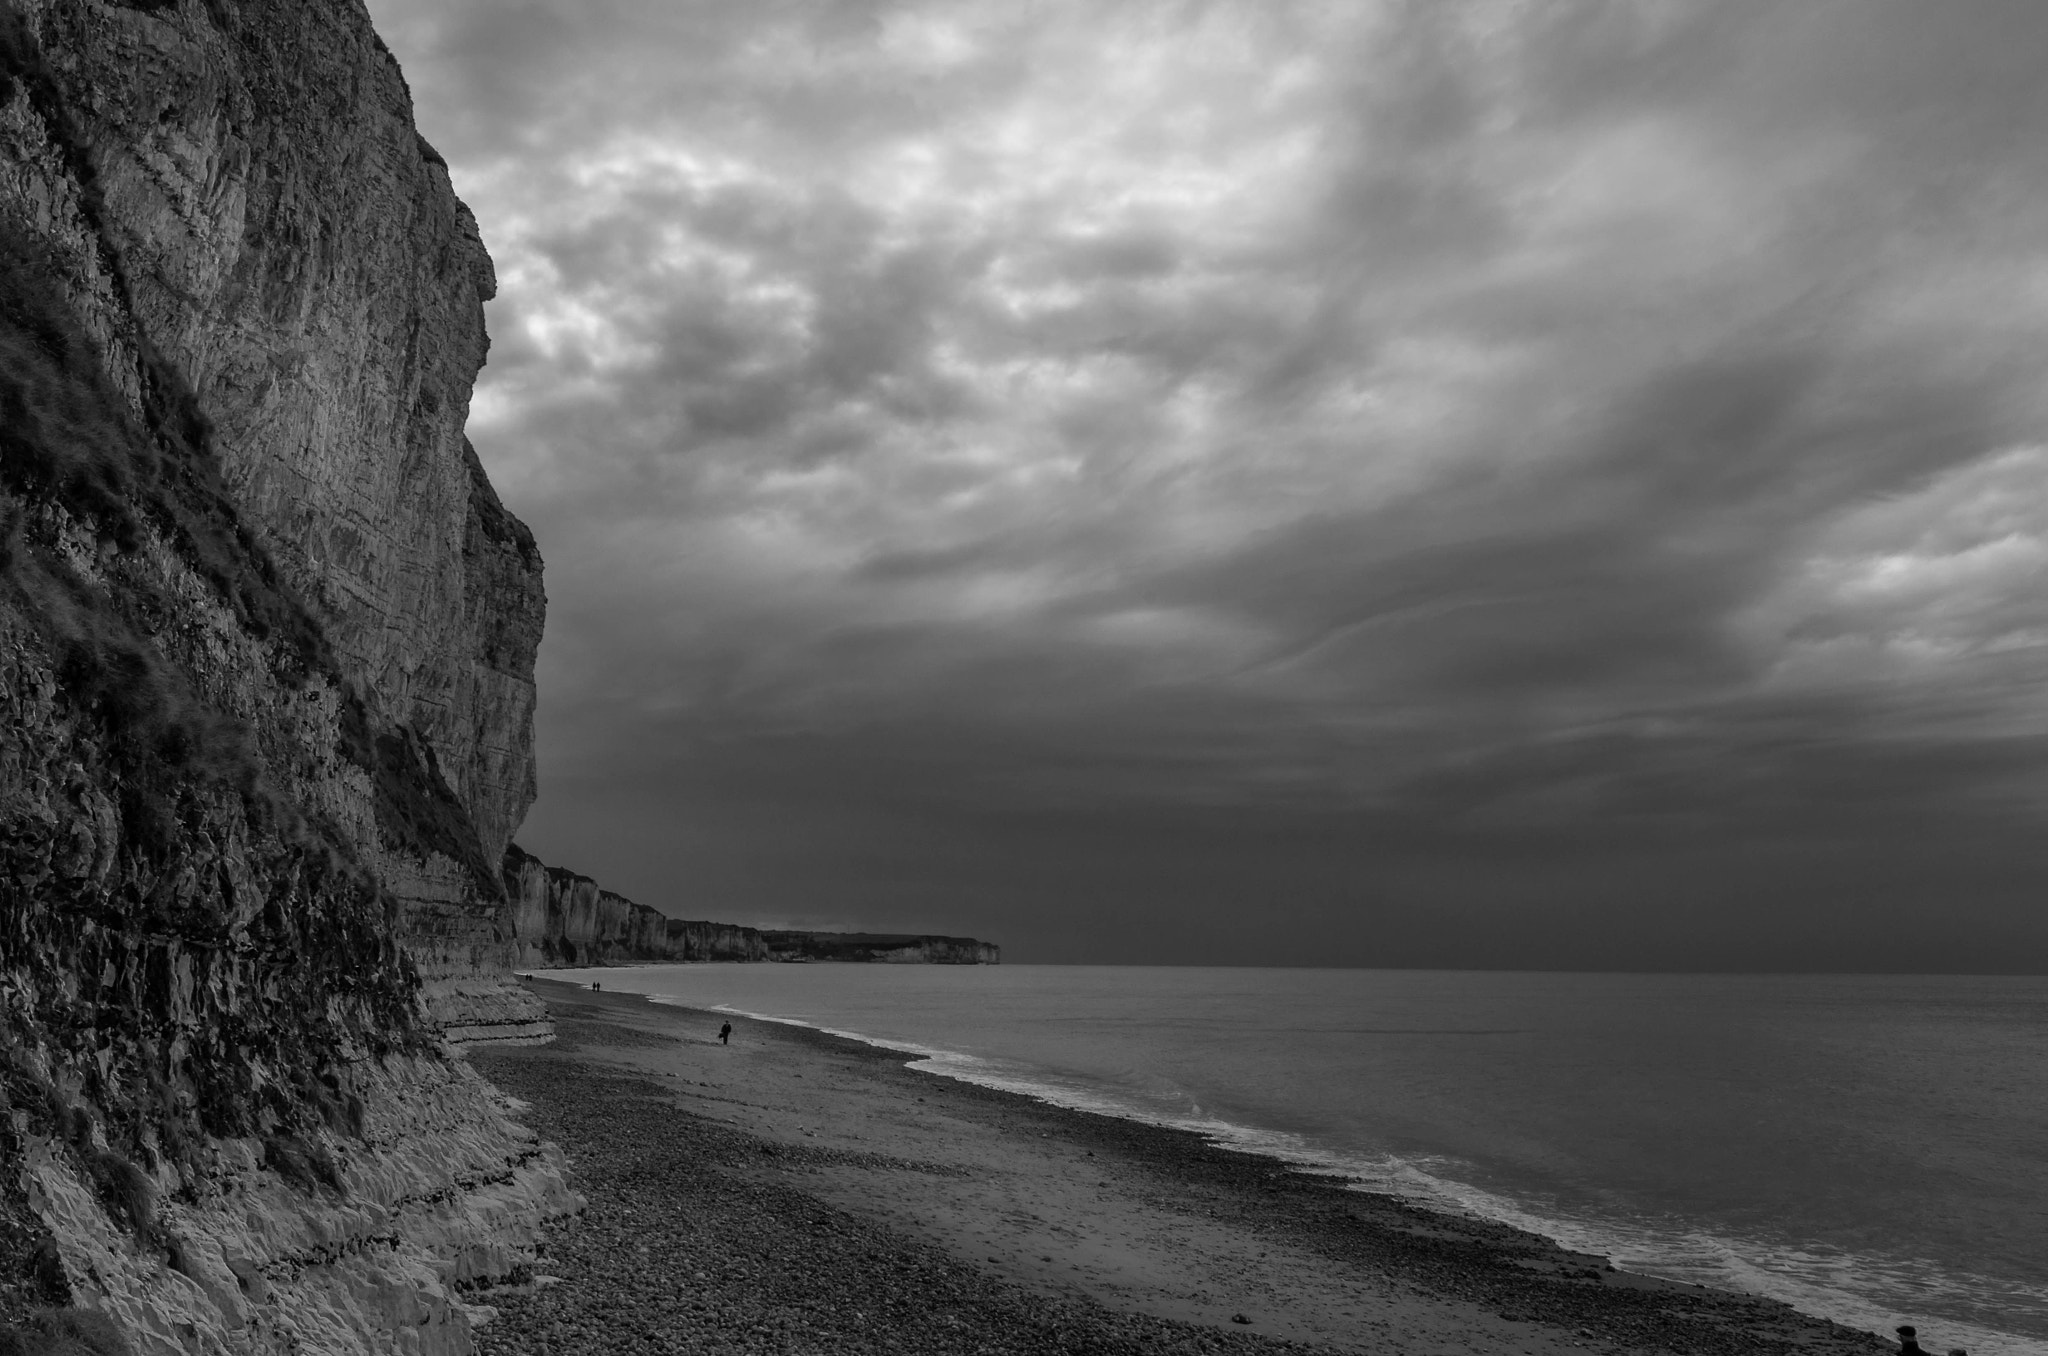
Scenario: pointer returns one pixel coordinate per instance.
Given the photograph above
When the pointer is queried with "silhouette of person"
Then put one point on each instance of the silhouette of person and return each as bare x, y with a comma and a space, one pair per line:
595, 986
725, 1034
1909, 1341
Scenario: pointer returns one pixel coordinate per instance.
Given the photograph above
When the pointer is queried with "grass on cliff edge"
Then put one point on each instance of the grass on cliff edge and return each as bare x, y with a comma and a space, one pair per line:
72, 445
66, 439
80, 448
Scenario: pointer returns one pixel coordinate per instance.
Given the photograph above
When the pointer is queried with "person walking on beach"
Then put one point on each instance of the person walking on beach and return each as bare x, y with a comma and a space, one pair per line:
725, 1038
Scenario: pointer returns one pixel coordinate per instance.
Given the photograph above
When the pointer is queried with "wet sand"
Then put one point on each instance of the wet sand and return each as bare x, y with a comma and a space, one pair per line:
798, 1192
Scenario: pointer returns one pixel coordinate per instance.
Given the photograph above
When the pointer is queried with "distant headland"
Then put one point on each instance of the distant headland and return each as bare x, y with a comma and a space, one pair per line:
561, 919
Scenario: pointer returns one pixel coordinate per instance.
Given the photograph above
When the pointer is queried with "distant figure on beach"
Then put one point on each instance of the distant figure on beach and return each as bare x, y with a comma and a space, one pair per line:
595, 986
725, 1038
1909, 1341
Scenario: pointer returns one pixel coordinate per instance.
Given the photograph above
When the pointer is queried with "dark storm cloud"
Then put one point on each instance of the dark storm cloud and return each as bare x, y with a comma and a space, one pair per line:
1432, 434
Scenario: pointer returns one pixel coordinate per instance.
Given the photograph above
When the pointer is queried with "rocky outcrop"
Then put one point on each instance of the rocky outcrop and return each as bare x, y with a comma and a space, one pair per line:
705, 941
293, 248
564, 920
373, 1241
258, 211
265, 682
560, 918
886, 948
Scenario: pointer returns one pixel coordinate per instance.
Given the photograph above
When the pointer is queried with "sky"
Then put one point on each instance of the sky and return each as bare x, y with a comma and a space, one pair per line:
1493, 484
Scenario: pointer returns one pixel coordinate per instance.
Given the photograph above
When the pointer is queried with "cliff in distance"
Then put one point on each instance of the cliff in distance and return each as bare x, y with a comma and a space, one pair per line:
561, 919
887, 948
266, 693
266, 641
241, 195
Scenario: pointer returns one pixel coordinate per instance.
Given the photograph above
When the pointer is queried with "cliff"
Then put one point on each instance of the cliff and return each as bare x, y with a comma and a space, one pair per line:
266, 642
239, 192
266, 695
562, 919
880, 947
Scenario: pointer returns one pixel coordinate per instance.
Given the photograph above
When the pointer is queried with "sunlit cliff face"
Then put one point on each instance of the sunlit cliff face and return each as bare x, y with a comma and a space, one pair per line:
1391, 453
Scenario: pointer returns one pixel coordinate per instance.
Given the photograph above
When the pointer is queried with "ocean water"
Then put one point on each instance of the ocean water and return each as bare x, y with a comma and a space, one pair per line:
1873, 1149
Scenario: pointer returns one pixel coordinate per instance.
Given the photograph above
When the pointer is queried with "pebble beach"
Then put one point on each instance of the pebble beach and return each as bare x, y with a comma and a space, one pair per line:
799, 1192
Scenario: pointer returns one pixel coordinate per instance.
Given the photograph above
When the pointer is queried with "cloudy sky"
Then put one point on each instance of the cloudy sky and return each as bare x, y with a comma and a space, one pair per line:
1489, 483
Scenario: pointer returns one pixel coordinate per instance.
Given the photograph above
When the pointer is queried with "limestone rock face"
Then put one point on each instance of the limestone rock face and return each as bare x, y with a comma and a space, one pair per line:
560, 918
225, 1110
266, 642
294, 249
440, 1193
885, 948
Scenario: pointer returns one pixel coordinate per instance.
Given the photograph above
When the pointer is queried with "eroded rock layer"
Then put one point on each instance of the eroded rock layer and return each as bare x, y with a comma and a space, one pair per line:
560, 918
287, 243
885, 948
266, 641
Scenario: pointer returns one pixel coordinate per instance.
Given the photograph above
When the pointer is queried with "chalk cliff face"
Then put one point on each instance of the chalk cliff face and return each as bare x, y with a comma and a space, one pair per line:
886, 948
292, 248
266, 642
296, 251
562, 919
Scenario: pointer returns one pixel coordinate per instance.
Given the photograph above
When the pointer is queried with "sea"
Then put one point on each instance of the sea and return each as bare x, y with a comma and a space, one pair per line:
1868, 1148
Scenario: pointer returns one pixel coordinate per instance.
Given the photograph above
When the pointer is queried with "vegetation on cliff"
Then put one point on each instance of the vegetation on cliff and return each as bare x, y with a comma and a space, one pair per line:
265, 693
189, 948
148, 1007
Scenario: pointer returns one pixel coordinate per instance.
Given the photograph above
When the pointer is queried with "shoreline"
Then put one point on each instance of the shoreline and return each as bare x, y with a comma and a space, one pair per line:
1857, 1293
1032, 1220
1231, 1136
